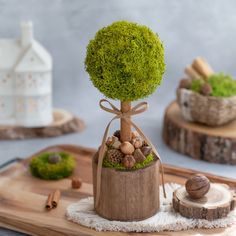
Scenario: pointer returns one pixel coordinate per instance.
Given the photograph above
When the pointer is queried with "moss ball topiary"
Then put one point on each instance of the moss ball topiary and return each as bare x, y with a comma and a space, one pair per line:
42, 168
125, 61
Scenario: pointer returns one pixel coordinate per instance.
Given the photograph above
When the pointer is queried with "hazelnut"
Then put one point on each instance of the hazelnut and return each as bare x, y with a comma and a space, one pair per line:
127, 148
197, 186
206, 89
185, 83
76, 183
54, 158
146, 150
138, 156
128, 161
137, 142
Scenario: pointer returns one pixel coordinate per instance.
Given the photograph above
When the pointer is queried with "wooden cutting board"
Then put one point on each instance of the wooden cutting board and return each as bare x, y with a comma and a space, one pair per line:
22, 198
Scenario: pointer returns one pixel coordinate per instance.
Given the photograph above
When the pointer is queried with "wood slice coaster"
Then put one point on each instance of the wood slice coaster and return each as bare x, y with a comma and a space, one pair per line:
213, 144
63, 123
217, 203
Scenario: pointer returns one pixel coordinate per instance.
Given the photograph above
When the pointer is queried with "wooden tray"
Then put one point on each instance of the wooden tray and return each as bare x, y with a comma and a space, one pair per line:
63, 123
22, 198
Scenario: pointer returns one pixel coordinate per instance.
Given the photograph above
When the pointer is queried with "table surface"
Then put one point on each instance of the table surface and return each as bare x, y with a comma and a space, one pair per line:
188, 29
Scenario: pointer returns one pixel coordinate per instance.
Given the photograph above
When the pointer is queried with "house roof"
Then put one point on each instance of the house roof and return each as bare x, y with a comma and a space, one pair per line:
13, 56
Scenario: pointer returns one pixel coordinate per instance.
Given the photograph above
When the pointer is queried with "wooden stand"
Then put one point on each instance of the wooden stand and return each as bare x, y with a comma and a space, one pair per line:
63, 123
201, 142
217, 203
128, 195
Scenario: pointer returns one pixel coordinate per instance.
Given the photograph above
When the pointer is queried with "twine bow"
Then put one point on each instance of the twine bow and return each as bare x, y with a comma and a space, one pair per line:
139, 108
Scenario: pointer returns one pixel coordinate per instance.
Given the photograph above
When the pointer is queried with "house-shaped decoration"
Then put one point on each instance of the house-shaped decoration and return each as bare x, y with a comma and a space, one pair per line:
25, 81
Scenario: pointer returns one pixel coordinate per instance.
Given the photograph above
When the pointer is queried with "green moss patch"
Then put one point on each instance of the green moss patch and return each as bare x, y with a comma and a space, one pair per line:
41, 168
119, 166
222, 85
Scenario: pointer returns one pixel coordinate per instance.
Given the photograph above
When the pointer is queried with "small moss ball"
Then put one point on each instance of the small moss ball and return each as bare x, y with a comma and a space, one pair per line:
125, 61
42, 168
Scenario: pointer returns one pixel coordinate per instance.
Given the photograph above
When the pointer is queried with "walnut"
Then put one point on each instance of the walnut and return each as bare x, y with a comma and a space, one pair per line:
197, 186
137, 142
128, 161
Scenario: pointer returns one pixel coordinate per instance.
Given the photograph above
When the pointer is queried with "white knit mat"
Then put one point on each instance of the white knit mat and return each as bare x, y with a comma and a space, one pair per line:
166, 219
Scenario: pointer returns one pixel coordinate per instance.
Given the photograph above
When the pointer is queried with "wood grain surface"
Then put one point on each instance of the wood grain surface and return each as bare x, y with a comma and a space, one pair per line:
217, 203
199, 141
23, 197
63, 122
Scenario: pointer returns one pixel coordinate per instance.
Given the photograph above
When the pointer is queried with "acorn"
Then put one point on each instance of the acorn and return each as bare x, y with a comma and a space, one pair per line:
135, 134
54, 158
185, 83
127, 148
138, 156
128, 161
146, 150
206, 89
197, 186
76, 183
137, 142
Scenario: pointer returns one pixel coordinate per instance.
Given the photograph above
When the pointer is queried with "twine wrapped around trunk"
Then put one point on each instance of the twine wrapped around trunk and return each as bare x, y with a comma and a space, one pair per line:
211, 111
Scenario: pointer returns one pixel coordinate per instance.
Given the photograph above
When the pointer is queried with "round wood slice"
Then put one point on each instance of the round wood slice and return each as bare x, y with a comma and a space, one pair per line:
201, 142
217, 203
63, 122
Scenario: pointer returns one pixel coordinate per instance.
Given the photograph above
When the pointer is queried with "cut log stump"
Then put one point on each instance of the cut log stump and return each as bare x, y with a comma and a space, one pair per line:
63, 123
217, 203
128, 195
199, 141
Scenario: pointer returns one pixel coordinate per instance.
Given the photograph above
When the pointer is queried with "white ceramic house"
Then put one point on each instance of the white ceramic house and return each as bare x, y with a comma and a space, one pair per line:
25, 81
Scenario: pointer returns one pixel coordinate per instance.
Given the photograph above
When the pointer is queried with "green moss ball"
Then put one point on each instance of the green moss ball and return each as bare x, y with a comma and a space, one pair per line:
125, 61
42, 168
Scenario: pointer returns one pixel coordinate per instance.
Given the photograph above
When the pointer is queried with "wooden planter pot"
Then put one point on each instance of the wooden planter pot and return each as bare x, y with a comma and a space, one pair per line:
211, 111
128, 195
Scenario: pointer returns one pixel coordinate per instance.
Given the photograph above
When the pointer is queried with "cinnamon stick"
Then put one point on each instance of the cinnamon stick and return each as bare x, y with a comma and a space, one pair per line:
202, 67
192, 73
49, 202
55, 198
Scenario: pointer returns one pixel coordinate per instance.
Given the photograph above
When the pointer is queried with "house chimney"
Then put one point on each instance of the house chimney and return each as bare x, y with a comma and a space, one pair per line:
26, 33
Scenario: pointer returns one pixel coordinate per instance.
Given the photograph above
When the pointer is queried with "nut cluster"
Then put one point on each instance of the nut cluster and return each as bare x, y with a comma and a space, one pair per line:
127, 153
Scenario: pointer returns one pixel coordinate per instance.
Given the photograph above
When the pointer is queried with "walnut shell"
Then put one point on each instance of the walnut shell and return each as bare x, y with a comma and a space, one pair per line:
197, 186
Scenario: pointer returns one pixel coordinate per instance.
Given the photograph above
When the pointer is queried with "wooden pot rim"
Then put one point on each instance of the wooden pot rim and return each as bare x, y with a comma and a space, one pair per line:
132, 170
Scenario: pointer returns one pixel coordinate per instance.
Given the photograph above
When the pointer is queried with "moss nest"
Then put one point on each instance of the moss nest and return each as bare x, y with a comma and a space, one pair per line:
119, 166
42, 168
222, 85
125, 61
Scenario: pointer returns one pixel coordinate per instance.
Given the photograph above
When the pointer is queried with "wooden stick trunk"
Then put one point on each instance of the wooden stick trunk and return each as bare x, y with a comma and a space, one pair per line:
125, 127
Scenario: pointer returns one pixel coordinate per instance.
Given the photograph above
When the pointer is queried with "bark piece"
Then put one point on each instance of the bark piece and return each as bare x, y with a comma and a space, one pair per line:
200, 142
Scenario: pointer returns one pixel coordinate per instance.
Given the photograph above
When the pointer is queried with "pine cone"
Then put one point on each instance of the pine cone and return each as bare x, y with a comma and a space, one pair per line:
117, 134
114, 156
